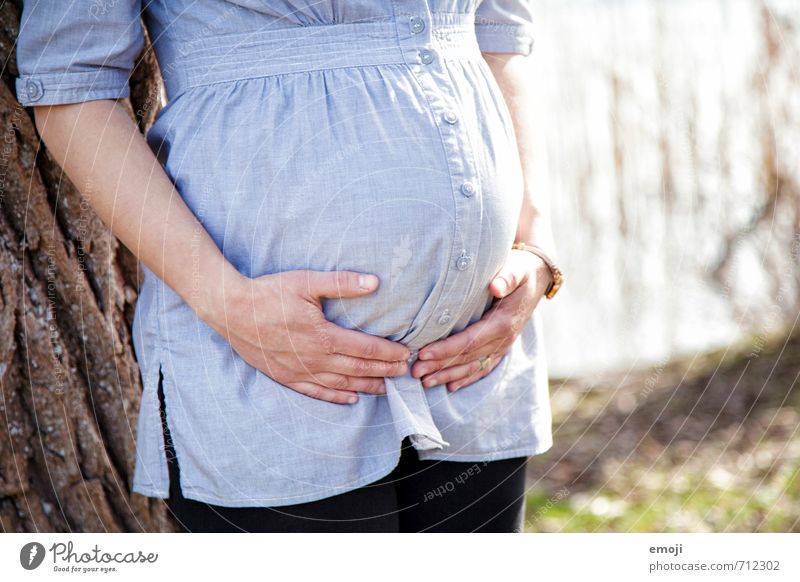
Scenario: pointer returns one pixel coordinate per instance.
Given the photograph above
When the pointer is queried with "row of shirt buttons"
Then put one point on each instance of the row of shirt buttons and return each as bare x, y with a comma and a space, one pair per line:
468, 188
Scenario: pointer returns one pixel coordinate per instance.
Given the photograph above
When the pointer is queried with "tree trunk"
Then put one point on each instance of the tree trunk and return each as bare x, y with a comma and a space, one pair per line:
69, 378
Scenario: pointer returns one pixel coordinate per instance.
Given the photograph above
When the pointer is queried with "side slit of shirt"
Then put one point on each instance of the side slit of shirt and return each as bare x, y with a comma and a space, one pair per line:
169, 455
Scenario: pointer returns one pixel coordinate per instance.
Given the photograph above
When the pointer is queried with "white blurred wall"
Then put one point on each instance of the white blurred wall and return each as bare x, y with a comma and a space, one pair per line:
670, 148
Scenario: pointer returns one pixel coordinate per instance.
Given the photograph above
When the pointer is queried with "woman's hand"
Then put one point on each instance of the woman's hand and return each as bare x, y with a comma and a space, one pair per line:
454, 361
276, 324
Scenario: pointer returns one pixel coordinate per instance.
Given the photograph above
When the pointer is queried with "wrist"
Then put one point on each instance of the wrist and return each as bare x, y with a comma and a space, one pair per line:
556, 278
541, 236
544, 276
217, 294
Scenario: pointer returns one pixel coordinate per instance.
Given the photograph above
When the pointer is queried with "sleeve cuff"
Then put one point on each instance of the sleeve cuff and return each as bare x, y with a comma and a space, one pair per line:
504, 38
71, 87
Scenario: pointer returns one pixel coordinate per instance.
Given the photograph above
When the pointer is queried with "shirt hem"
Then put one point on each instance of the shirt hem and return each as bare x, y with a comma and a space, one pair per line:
528, 451
200, 494
150, 492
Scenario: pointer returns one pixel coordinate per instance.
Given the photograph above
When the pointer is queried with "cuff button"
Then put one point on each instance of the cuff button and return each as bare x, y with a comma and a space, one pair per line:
33, 89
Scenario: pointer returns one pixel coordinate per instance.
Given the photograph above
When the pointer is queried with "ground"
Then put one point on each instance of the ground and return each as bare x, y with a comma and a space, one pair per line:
703, 444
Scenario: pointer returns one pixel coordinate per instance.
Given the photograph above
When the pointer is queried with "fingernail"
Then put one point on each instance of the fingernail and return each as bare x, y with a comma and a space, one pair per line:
367, 282
382, 388
352, 399
425, 356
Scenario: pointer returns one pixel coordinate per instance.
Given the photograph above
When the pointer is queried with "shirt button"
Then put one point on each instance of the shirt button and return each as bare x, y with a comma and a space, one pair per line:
33, 88
468, 188
463, 262
426, 56
450, 117
444, 318
417, 24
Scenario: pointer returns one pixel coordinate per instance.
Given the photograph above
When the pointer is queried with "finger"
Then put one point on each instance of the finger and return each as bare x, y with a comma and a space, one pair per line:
350, 366
363, 345
350, 383
323, 393
466, 340
514, 273
473, 377
427, 367
451, 374
339, 284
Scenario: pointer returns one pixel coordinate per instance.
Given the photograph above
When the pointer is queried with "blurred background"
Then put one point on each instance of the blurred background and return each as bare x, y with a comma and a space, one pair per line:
670, 149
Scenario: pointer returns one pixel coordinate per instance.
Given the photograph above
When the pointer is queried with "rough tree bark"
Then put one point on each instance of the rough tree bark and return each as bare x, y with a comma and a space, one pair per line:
69, 381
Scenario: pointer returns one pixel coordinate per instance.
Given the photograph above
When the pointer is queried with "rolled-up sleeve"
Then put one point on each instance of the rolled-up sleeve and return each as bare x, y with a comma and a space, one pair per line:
70, 51
504, 26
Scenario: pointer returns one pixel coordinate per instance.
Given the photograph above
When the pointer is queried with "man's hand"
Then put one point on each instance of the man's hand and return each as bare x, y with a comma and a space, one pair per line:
454, 361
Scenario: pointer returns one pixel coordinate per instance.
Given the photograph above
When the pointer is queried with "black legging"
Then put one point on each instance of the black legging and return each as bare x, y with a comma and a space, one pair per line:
431, 496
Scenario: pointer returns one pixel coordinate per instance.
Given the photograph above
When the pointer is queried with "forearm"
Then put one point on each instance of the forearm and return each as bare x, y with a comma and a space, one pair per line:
109, 161
513, 75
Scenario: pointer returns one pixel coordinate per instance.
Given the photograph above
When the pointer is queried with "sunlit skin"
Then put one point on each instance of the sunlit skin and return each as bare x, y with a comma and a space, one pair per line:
521, 283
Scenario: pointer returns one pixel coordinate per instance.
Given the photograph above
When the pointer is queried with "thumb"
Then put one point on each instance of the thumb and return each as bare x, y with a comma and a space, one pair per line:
509, 277
340, 284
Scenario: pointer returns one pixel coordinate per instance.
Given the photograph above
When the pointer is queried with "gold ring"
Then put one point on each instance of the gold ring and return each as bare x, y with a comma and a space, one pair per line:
485, 361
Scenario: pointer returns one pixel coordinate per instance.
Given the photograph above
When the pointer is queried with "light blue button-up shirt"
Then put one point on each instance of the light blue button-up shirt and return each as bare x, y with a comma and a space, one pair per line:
362, 136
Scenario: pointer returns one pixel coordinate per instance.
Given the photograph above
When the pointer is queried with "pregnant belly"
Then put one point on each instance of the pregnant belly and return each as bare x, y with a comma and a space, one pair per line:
433, 253
433, 249
373, 193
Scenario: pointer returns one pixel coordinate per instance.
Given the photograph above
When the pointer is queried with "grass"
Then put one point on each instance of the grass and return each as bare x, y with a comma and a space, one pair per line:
703, 444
